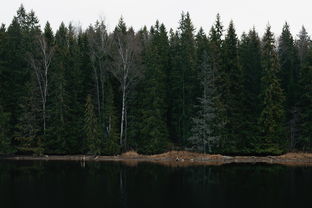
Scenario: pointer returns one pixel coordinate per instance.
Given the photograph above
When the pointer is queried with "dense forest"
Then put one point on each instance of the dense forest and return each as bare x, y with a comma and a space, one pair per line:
99, 92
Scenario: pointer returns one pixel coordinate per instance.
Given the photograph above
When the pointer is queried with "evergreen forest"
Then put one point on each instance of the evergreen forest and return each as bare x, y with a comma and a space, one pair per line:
100, 92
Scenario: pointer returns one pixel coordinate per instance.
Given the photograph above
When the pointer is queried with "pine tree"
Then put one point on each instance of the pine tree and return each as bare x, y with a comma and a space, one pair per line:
58, 108
4, 116
28, 137
216, 57
203, 135
231, 92
305, 139
154, 131
21, 37
92, 129
74, 97
5, 143
184, 77
173, 107
111, 139
250, 61
14, 72
303, 44
272, 113
136, 98
202, 47
289, 75
48, 34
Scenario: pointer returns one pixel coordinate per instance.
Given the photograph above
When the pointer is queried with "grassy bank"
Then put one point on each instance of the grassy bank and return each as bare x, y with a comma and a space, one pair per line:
177, 158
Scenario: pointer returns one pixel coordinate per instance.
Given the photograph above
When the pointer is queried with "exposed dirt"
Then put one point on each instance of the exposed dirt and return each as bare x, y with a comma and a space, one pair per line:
180, 158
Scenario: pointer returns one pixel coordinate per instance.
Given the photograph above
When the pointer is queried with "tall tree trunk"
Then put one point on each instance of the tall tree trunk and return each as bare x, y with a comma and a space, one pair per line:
122, 117
97, 91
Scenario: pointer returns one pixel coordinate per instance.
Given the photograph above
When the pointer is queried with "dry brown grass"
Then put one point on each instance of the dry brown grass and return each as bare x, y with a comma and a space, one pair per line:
182, 158
172, 155
130, 154
293, 155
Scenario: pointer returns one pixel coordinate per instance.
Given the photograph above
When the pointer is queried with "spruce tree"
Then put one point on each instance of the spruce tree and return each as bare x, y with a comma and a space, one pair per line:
289, 75
14, 72
48, 34
185, 82
5, 143
305, 127
303, 43
231, 93
56, 132
202, 47
74, 97
203, 137
154, 132
272, 97
135, 123
92, 129
21, 40
216, 57
111, 139
250, 61
28, 134
174, 104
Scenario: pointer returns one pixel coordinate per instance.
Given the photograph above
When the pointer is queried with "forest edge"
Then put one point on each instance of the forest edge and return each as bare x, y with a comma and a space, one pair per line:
175, 158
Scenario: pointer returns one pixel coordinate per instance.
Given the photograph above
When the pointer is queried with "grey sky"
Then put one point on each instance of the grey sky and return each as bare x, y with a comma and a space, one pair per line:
245, 13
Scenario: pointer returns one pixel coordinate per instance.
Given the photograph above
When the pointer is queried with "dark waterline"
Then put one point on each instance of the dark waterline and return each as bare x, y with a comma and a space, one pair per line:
107, 184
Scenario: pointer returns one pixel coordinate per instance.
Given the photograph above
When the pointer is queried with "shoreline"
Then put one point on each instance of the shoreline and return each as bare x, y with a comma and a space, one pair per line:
176, 158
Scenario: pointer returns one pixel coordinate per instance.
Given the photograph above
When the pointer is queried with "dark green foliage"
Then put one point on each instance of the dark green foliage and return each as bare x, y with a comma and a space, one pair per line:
48, 34
272, 115
230, 94
203, 137
250, 62
136, 100
305, 106
13, 71
5, 143
111, 138
92, 129
74, 99
27, 136
154, 132
303, 45
289, 75
218, 76
58, 97
112, 92
289, 67
183, 78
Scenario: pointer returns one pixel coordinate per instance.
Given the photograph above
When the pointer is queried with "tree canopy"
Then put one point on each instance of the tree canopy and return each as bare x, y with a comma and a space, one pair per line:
101, 92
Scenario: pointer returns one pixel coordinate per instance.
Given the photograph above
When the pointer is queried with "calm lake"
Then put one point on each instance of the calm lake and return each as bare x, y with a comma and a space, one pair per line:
107, 184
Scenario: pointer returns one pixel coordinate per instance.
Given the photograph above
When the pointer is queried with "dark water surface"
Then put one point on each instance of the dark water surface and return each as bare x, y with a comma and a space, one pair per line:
105, 184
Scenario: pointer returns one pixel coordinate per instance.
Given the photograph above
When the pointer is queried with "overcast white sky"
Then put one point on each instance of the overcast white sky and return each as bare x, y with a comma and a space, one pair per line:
245, 13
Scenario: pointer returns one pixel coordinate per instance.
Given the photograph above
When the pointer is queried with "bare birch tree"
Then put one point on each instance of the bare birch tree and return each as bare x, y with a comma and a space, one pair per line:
40, 63
126, 70
99, 45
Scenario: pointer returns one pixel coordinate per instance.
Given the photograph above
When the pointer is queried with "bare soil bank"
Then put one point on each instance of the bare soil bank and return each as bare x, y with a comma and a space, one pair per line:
179, 158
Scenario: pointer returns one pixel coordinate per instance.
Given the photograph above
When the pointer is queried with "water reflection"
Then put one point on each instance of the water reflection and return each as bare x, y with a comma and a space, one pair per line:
103, 184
